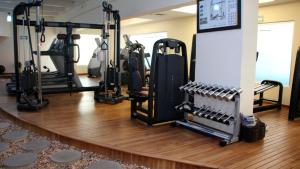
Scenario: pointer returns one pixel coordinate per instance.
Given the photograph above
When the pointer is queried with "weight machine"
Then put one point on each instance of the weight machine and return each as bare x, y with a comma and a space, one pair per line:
162, 94
28, 84
111, 87
71, 82
29, 92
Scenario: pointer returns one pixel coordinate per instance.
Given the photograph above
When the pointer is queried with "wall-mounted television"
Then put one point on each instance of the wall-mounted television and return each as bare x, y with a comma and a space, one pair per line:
218, 15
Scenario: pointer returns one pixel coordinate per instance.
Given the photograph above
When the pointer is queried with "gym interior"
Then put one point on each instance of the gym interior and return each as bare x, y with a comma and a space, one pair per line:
137, 84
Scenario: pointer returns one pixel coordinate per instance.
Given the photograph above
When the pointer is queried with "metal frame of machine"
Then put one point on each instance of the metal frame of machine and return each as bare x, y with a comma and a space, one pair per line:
19, 10
272, 104
216, 111
161, 110
112, 76
29, 99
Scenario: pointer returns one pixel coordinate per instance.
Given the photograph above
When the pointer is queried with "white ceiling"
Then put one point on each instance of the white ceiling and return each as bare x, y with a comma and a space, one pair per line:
51, 8
277, 2
169, 14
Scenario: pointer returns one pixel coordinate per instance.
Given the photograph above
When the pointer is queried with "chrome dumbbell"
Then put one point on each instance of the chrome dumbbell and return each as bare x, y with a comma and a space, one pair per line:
178, 107
216, 114
220, 119
185, 106
217, 89
181, 88
191, 89
223, 95
207, 112
202, 89
214, 87
195, 113
195, 84
227, 120
231, 96
204, 111
217, 94
197, 91
194, 91
208, 115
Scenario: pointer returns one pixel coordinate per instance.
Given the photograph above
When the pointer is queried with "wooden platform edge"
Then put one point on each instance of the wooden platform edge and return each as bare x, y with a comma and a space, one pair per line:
125, 156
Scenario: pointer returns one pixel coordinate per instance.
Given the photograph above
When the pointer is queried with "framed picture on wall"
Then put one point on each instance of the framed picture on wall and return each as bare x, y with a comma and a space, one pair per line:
218, 15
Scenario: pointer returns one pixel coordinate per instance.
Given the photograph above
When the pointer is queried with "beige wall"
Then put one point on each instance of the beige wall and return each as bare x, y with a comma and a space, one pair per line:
180, 28
285, 12
7, 49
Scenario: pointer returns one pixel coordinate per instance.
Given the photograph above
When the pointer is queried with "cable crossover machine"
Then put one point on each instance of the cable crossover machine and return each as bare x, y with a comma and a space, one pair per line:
28, 83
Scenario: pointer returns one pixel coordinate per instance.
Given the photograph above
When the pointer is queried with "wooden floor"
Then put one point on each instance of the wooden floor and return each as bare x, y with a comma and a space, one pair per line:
80, 118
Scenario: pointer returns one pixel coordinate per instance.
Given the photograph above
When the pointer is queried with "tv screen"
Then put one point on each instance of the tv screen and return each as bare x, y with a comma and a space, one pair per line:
218, 15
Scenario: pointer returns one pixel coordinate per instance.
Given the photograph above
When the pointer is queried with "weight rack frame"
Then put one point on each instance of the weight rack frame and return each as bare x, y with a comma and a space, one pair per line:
226, 138
274, 104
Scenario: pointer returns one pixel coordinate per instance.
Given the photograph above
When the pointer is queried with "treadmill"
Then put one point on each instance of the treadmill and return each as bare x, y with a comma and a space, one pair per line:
55, 81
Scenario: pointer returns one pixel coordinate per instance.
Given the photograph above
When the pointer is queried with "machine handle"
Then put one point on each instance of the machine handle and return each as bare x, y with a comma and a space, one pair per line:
78, 52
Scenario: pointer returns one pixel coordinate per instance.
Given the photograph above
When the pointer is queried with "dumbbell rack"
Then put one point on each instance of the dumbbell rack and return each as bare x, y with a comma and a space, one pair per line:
216, 111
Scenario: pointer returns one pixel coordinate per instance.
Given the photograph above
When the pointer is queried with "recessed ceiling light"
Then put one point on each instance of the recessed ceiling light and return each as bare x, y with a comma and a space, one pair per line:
135, 21
191, 9
8, 18
265, 1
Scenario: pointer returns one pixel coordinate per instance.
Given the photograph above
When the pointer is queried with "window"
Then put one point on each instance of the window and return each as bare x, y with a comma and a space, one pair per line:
275, 41
148, 41
87, 46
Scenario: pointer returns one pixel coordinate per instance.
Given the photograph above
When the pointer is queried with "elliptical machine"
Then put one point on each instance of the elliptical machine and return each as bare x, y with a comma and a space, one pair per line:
136, 51
110, 91
29, 92
96, 64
